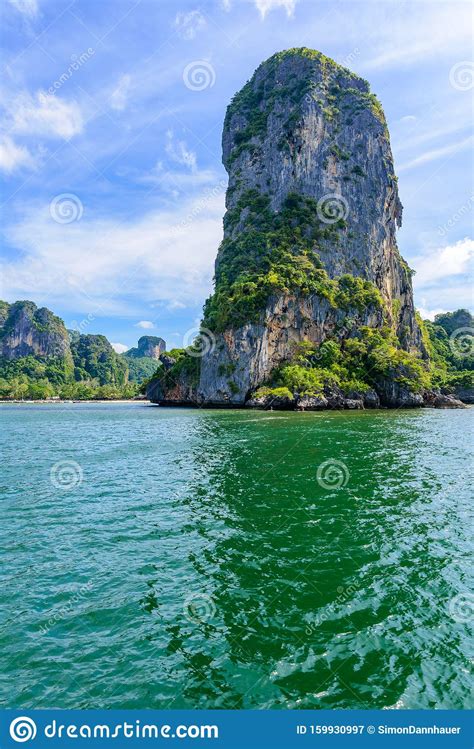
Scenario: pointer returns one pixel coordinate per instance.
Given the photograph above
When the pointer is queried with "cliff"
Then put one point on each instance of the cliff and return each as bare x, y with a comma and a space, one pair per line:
143, 360
149, 346
39, 358
311, 293
26, 330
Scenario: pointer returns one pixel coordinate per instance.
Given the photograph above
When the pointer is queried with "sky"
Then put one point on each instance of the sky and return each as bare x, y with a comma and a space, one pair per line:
111, 117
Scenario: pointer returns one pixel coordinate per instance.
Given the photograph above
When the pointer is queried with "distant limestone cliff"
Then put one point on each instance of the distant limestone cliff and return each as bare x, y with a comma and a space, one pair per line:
143, 360
148, 346
26, 330
40, 359
313, 304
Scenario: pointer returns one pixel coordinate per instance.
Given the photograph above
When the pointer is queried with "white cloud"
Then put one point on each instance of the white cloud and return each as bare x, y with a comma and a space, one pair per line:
265, 6
437, 33
13, 157
188, 25
119, 347
44, 114
145, 324
165, 255
175, 181
445, 262
436, 153
175, 304
118, 98
179, 152
429, 314
28, 8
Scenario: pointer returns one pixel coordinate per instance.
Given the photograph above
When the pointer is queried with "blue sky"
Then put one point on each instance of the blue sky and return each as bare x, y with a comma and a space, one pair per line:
112, 183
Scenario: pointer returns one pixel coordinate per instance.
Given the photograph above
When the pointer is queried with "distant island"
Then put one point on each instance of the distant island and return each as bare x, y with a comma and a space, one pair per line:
313, 303
40, 359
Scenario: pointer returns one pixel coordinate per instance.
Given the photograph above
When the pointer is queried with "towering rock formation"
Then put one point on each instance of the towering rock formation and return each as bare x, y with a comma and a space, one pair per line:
149, 346
309, 251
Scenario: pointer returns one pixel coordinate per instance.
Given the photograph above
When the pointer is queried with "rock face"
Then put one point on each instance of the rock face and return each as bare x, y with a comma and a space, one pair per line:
29, 331
149, 346
256, 349
464, 394
325, 138
308, 155
26, 330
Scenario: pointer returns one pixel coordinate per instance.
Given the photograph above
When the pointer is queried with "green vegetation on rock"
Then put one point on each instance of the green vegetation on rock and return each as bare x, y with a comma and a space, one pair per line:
358, 363
450, 343
140, 368
277, 252
185, 362
40, 359
354, 364
95, 358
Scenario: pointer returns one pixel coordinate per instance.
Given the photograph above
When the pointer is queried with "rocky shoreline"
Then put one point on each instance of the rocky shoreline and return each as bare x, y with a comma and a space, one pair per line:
331, 399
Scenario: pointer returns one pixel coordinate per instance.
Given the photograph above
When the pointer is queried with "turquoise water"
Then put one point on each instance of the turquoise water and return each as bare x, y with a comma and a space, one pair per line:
199, 558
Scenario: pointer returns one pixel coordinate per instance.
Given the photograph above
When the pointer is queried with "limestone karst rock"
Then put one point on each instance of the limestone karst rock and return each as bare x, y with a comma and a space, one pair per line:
26, 330
149, 346
309, 251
